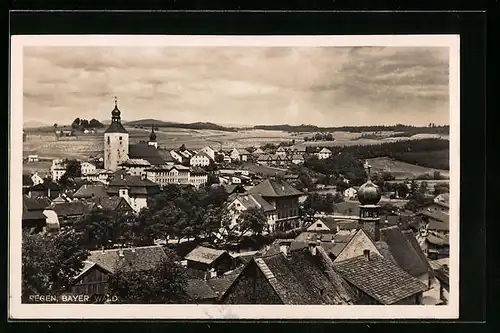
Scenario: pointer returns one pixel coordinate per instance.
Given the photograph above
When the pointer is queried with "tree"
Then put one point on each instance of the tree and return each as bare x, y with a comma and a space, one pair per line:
402, 190
423, 187
94, 123
252, 219
164, 284
76, 123
55, 126
101, 228
219, 158
50, 262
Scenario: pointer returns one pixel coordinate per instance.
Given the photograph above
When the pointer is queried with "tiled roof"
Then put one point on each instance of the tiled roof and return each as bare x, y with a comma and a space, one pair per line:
329, 222
221, 284
385, 251
74, 208
443, 199
379, 278
136, 162
434, 215
90, 191
146, 152
347, 208
255, 201
133, 259
325, 150
263, 158
275, 188
199, 290
437, 240
304, 279
403, 251
438, 226
34, 215
203, 254
197, 171
202, 154
414, 243
30, 204
116, 127
111, 203
438, 263
136, 184
45, 187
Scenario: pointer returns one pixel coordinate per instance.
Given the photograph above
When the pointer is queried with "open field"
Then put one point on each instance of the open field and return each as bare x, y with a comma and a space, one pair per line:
41, 167
401, 170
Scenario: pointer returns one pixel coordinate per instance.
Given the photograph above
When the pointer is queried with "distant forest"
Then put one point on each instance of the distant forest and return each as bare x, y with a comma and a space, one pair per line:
82, 124
429, 153
407, 129
147, 123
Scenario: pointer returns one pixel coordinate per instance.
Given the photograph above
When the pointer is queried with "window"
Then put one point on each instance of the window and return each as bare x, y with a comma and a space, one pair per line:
108, 140
120, 138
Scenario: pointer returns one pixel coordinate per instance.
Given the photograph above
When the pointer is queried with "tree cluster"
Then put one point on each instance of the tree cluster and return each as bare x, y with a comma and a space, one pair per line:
434, 129
320, 137
49, 263
82, 124
320, 203
345, 164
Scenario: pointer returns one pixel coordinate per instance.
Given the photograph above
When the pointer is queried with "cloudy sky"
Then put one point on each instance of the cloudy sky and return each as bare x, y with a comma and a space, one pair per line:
330, 86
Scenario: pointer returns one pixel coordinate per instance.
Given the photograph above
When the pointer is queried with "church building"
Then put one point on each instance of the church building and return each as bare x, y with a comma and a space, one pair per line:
116, 142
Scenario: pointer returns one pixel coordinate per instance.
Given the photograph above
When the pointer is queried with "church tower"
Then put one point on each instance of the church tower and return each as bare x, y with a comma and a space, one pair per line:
152, 138
115, 142
369, 195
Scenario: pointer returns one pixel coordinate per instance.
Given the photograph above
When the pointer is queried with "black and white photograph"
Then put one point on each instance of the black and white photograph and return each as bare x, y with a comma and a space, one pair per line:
313, 176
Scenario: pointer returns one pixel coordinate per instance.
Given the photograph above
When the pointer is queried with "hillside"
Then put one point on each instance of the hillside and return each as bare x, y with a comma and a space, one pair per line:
407, 129
195, 126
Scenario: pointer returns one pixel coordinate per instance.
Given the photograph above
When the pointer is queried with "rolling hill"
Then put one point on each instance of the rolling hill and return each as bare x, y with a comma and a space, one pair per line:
197, 125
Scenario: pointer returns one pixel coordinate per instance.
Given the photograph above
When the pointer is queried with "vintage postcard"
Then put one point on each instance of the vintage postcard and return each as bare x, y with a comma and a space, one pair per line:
242, 177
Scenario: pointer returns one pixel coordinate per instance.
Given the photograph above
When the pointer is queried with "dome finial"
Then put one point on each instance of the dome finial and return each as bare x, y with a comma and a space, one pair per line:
116, 102
368, 168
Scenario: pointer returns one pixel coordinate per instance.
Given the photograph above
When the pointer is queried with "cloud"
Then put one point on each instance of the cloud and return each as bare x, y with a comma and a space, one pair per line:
331, 85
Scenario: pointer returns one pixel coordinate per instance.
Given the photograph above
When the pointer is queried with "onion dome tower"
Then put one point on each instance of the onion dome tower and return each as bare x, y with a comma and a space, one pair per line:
152, 137
116, 141
369, 196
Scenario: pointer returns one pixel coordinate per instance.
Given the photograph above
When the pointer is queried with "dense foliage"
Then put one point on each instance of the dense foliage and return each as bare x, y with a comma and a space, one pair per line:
82, 124
165, 284
430, 129
49, 263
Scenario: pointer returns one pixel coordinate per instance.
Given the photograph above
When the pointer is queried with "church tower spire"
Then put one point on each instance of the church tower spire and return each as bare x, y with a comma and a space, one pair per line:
369, 195
115, 141
152, 137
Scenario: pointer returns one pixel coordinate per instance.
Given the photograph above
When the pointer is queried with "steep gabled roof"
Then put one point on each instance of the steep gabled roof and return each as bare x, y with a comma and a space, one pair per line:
90, 191
32, 204
112, 203
204, 255
146, 152
403, 251
200, 290
134, 259
305, 279
379, 278
275, 188
74, 208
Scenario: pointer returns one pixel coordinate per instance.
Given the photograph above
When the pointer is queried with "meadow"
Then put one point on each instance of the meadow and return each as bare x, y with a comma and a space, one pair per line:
46, 145
401, 170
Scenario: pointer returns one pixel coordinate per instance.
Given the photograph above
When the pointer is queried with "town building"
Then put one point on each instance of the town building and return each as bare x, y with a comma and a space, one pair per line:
100, 264
324, 154
45, 190
284, 198
69, 212
169, 174
206, 259
114, 204
239, 203
144, 151
350, 193
32, 158
136, 190
297, 159
197, 177
209, 151
33, 218
179, 157
116, 142
297, 277
57, 169
36, 179
90, 192
136, 166
87, 168
200, 159
281, 151
323, 224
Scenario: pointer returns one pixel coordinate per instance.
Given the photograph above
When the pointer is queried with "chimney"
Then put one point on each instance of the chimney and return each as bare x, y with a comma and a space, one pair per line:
366, 253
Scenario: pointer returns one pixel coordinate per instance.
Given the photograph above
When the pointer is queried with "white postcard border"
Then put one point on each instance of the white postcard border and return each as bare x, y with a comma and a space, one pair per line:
17, 310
